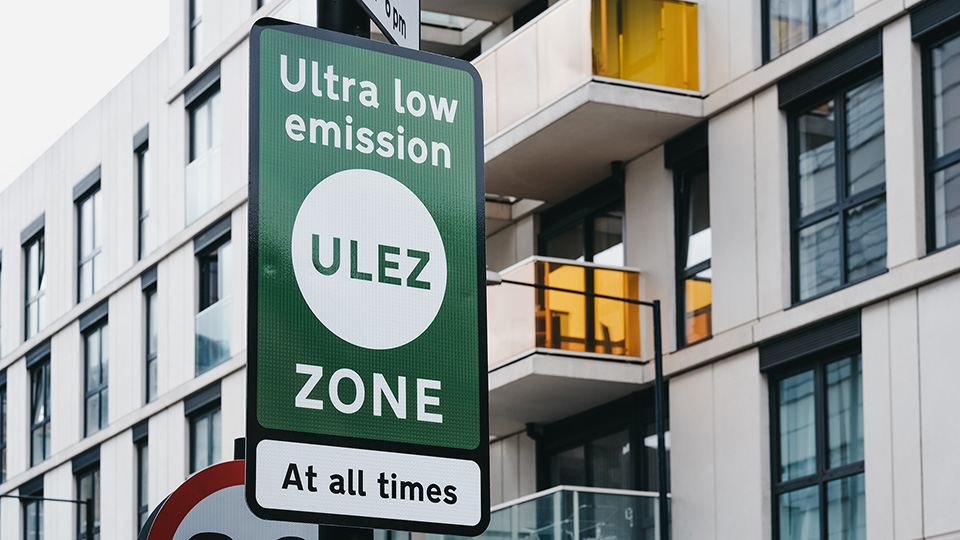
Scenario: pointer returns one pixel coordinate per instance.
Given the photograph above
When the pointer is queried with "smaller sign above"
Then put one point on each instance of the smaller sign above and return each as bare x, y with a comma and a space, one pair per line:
399, 20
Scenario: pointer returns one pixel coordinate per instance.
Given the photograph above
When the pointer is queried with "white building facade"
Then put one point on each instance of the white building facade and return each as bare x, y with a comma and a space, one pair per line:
781, 174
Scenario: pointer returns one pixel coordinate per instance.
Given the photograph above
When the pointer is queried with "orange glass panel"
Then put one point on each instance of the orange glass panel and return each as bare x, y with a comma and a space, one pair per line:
698, 309
575, 322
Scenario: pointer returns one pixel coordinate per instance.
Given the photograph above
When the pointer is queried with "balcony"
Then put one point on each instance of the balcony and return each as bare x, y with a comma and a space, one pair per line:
213, 335
575, 513
586, 83
553, 354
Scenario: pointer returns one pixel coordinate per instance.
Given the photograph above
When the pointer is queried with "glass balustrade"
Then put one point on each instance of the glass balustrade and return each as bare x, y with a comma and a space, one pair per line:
213, 335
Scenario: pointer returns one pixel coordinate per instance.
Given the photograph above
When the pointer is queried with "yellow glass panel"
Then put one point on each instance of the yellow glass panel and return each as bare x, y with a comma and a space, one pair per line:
698, 309
575, 322
649, 41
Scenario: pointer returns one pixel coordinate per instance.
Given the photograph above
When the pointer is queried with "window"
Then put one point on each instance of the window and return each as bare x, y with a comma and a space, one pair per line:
143, 496
817, 430
35, 309
150, 297
838, 190
602, 448
40, 411
788, 23
32, 515
144, 185
213, 317
3, 427
88, 488
694, 247
90, 227
588, 227
203, 168
942, 104
196, 31
205, 437
96, 352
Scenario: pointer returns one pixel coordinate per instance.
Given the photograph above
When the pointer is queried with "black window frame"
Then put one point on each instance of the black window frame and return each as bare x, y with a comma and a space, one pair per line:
34, 490
102, 390
765, 34
89, 472
3, 426
88, 195
207, 411
142, 449
931, 164
823, 475
38, 238
40, 369
682, 175
837, 93
583, 209
631, 413
141, 154
150, 297
194, 21
204, 98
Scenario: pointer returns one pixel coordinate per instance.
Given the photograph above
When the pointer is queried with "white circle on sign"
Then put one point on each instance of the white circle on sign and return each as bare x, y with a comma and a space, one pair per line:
369, 259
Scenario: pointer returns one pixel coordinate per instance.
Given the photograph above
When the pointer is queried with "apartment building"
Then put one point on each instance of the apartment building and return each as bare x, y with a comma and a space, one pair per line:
780, 174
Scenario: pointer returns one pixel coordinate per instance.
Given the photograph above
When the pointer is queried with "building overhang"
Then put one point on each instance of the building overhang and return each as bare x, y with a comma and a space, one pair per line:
543, 387
567, 146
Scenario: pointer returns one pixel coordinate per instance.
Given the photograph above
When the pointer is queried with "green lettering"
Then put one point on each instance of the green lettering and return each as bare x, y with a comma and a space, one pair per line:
355, 273
412, 280
335, 265
388, 265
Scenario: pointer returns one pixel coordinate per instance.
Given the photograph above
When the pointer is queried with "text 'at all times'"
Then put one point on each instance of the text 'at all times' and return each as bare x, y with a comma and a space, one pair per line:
344, 135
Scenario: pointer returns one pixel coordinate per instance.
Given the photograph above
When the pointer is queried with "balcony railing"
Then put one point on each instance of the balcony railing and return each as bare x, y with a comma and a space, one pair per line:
653, 42
523, 318
213, 335
648, 41
575, 513
202, 184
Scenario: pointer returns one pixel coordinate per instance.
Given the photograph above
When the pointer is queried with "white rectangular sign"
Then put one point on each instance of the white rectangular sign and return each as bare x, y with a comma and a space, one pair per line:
367, 483
399, 20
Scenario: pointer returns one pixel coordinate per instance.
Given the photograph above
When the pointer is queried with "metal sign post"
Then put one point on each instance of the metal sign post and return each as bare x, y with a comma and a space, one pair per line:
367, 374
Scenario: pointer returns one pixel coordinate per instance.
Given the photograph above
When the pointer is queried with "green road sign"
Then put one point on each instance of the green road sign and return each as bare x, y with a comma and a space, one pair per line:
366, 348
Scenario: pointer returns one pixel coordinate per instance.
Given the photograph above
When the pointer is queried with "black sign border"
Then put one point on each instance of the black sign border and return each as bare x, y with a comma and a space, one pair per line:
255, 432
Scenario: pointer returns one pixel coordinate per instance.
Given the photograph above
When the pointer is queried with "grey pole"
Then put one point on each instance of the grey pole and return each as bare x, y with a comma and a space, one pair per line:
661, 424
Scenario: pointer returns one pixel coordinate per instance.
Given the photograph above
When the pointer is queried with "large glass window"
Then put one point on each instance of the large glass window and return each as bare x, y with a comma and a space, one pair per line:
40, 411
603, 448
213, 319
33, 518
90, 261
788, 23
839, 191
144, 186
942, 62
694, 248
203, 169
143, 478
35, 308
817, 421
586, 228
96, 352
150, 297
88, 488
196, 32
205, 438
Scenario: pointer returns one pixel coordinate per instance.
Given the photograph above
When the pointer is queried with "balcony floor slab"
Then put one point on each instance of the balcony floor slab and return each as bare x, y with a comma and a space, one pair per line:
544, 388
567, 146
